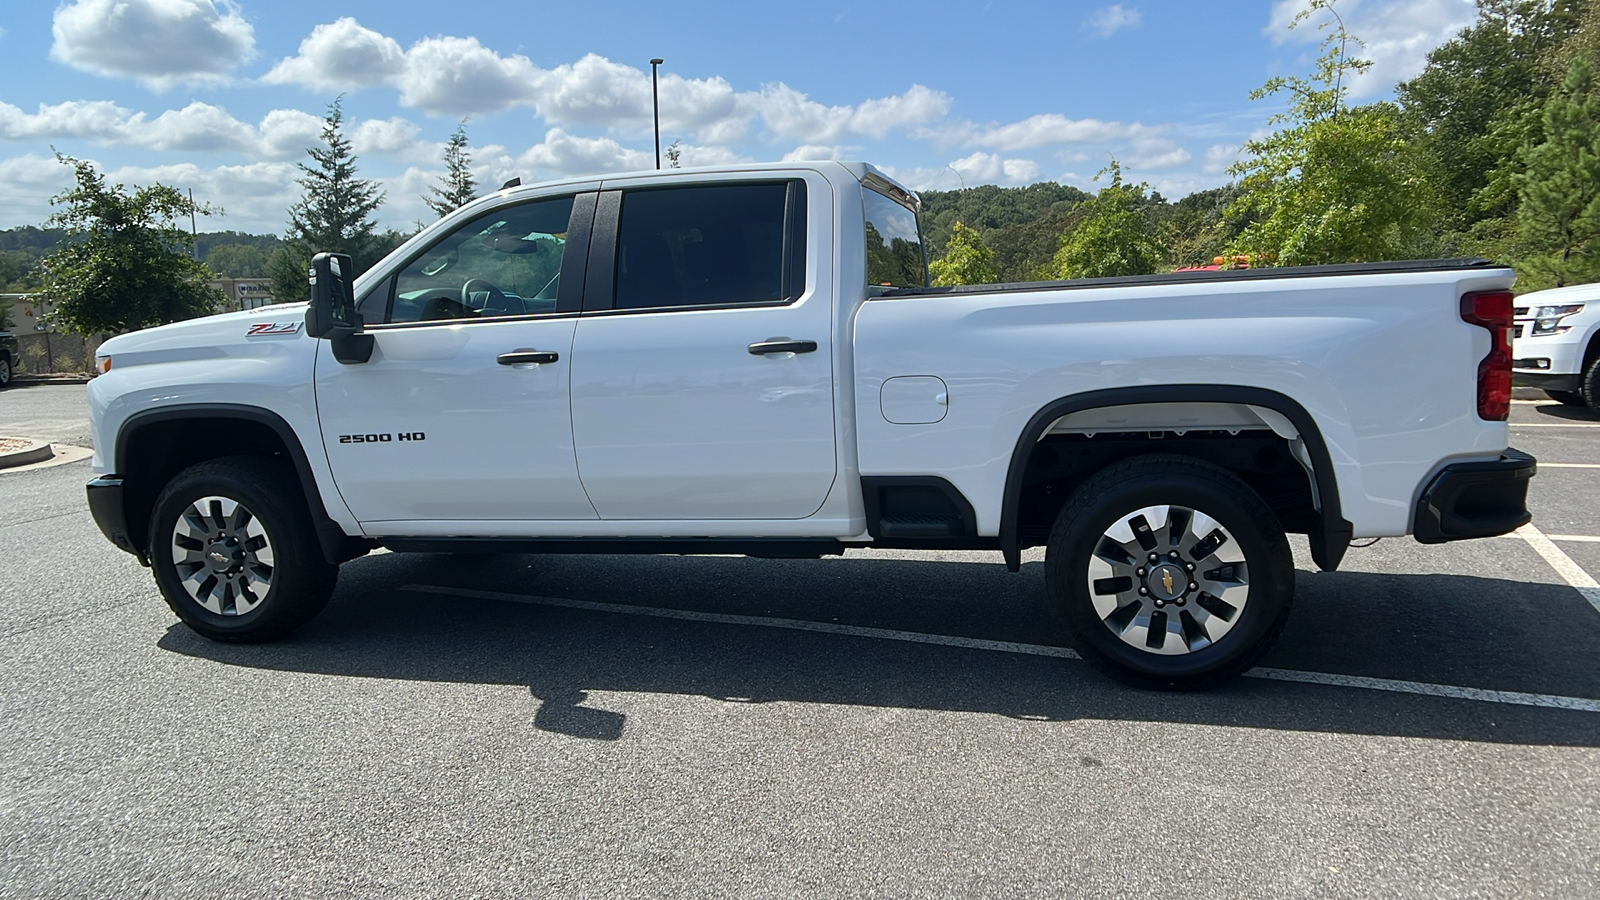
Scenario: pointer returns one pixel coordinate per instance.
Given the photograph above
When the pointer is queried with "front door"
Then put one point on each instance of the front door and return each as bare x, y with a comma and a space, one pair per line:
462, 415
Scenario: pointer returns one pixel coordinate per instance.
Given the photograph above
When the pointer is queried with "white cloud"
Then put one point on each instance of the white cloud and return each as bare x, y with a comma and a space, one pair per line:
1050, 128
92, 119
811, 152
1398, 34
288, 132
455, 76
562, 154
160, 43
393, 135
980, 168
198, 127
1219, 157
201, 128
341, 56
788, 113
1108, 20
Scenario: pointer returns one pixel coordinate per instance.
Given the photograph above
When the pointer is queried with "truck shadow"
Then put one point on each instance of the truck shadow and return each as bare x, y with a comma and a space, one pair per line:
1556, 410
1443, 629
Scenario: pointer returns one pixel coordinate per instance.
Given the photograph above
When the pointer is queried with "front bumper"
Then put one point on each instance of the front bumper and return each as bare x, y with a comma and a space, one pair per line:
1545, 381
1476, 499
106, 505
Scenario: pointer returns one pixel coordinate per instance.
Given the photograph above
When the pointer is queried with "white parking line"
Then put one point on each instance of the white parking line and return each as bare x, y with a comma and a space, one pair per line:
1575, 538
1555, 424
1558, 559
1513, 698
1545, 465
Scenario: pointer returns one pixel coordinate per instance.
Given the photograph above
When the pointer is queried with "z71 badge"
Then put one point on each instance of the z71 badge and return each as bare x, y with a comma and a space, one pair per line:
275, 328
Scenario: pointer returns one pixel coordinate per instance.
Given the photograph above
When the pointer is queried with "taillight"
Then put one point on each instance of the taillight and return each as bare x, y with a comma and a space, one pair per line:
1492, 310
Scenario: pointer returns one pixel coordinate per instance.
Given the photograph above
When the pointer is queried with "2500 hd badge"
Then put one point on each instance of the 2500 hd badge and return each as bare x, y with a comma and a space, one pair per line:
382, 438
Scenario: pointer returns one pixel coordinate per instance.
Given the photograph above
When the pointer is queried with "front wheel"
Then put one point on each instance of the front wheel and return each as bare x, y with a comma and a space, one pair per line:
1170, 572
234, 550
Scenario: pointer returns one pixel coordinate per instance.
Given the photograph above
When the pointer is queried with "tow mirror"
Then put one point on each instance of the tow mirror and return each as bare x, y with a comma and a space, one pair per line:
332, 313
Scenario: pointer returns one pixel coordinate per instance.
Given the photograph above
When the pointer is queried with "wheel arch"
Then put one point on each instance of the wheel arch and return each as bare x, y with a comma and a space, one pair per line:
150, 449
1329, 540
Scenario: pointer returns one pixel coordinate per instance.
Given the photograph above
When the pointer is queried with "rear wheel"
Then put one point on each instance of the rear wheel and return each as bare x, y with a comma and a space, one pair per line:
1169, 572
234, 550
1570, 398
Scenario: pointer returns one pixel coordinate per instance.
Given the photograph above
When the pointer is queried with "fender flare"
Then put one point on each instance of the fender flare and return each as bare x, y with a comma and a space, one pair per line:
1328, 543
330, 536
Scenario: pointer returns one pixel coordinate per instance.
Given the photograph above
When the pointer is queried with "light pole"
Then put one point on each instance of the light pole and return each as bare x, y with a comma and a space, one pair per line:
655, 105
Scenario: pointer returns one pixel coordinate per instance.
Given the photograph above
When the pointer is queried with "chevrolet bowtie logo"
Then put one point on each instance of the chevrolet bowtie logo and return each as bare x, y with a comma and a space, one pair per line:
1166, 579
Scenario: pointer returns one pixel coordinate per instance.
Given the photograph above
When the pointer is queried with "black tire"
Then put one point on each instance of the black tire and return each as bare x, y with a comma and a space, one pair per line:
1187, 658
1569, 398
1589, 384
5, 370
298, 579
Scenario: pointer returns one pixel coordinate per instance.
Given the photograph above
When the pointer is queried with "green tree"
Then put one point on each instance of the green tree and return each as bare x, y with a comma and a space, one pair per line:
457, 188
967, 260
334, 213
1558, 212
125, 262
1116, 235
236, 261
1331, 184
1467, 113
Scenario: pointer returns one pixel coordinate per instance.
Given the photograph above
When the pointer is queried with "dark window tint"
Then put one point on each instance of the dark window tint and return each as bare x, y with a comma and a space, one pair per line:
894, 244
703, 246
503, 263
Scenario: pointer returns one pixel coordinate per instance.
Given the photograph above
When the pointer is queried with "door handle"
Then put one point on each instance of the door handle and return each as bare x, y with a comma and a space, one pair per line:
523, 356
781, 345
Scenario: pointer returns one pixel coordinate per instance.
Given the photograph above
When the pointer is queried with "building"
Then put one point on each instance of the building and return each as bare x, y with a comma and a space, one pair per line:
245, 293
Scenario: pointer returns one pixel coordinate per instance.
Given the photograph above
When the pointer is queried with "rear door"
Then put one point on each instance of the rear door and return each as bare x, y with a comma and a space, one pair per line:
702, 378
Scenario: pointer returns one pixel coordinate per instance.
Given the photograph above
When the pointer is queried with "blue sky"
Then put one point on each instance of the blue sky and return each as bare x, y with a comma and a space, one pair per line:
223, 97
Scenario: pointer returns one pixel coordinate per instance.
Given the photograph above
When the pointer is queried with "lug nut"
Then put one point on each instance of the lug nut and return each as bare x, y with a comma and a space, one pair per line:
1160, 603
1143, 592
1181, 601
1174, 555
1155, 557
1190, 567
1139, 573
1192, 585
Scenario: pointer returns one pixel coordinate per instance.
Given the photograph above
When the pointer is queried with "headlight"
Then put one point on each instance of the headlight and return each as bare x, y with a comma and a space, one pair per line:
1547, 319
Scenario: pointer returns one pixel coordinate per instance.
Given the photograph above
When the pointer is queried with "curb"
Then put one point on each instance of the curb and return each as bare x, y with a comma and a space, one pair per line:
26, 380
30, 453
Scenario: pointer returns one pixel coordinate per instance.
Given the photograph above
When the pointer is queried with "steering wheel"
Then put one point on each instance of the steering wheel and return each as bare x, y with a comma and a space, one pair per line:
496, 299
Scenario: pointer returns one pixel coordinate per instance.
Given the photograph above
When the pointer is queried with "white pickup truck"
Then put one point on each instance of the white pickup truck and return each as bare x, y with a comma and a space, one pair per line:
748, 360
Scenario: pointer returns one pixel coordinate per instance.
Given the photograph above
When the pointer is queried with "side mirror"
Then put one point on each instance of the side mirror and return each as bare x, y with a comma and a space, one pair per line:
332, 313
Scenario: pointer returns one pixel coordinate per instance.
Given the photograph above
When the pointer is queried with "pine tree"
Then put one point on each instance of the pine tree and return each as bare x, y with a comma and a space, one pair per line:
1558, 213
334, 213
967, 259
457, 188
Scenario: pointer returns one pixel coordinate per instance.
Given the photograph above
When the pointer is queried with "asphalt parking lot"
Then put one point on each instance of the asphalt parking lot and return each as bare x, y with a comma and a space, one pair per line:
884, 724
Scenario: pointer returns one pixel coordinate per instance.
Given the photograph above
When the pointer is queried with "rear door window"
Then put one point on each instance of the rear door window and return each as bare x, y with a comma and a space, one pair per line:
710, 245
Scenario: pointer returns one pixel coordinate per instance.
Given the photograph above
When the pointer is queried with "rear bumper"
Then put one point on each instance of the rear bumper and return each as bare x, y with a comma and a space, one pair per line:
1476, 499
106, 505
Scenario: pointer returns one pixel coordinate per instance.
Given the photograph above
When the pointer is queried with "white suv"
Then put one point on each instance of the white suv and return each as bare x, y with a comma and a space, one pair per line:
1556, 343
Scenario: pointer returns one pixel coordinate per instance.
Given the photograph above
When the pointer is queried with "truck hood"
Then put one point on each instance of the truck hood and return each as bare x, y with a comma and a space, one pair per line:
213, 337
